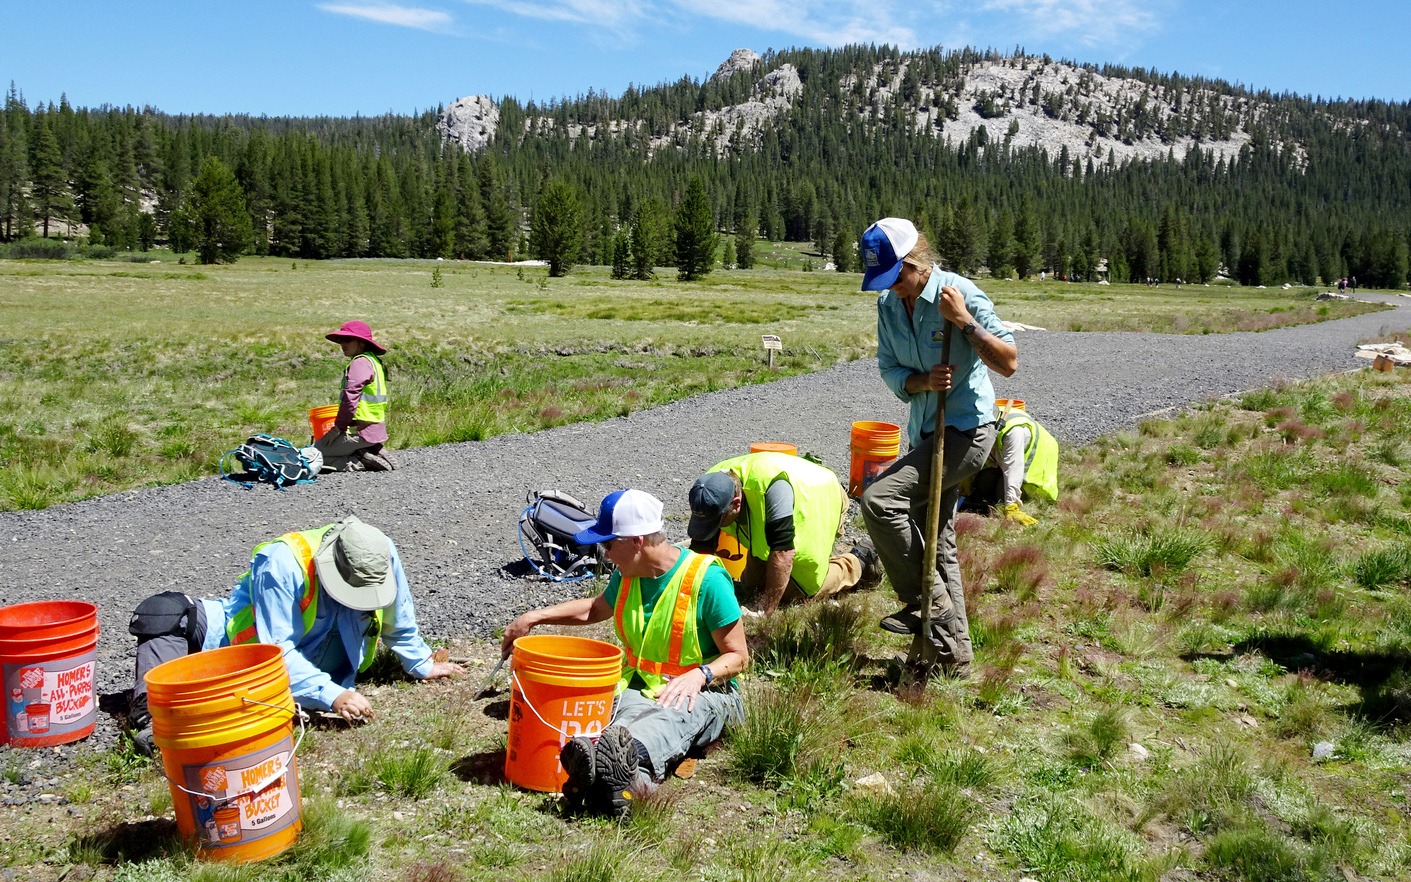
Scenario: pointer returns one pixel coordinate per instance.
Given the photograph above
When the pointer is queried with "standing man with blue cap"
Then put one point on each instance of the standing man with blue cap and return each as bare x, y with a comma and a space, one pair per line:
676, 614
918, 301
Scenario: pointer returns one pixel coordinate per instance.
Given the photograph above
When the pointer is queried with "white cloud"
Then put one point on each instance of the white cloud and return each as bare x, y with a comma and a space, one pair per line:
615, 15
823, 22
1091, 22
386, 13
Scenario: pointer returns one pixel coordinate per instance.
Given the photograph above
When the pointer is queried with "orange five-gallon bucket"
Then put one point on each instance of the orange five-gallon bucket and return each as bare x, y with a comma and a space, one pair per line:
774, 447
224, 719
561, 687
47, 658
321, 419
875, 446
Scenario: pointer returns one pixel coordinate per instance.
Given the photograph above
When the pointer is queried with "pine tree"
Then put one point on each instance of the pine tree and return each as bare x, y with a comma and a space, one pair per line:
744, 244
1001, 246
648, 224
14, 170
49, 186
556, 231
696, 238
1027, 241
501, 228
621, 255
215, 213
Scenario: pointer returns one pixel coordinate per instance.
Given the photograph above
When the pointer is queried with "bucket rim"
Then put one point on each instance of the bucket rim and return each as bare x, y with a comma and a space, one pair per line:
262, 654
75, 611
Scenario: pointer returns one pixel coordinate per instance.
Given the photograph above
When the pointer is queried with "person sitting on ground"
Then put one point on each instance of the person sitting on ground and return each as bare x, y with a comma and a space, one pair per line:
325, 596
1023, 463
676, 615
785, 513
358, 437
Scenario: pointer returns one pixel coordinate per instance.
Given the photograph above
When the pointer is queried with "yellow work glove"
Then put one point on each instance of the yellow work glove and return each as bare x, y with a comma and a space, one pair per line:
1013, 512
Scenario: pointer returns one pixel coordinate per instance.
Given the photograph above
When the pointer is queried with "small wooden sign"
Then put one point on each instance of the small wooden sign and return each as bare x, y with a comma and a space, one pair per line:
772, 344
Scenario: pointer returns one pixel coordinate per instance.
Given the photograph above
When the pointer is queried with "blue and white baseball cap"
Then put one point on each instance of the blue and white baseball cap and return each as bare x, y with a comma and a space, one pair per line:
624, 513
883, 246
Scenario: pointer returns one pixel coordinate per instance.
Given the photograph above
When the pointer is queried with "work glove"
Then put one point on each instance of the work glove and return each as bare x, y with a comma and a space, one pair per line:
1013, 512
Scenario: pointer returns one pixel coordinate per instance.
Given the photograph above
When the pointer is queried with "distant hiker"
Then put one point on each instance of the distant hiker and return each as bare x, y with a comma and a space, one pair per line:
1352, 283
676, 615
359, 434
326, 596
785, 513
1023, 463
1342, 285
918, 299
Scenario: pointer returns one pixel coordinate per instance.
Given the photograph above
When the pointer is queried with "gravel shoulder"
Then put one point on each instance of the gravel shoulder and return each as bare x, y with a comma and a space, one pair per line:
452, 510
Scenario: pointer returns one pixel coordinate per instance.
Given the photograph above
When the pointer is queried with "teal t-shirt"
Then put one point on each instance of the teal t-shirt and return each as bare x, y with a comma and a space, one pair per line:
716, 607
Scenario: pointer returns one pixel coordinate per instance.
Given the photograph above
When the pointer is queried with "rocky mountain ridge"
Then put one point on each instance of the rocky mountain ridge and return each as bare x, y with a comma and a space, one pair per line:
1015, 102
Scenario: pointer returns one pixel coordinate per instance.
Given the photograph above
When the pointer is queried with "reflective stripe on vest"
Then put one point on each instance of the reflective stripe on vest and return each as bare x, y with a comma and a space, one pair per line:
818, 507
668, 644
240, 627
372, 403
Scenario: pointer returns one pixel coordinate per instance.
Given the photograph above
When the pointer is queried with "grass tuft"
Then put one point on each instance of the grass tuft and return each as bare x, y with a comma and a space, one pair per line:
933, 818
1160, 552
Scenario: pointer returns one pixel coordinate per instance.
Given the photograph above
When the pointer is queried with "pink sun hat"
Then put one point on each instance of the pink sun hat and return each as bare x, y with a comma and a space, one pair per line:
356, 331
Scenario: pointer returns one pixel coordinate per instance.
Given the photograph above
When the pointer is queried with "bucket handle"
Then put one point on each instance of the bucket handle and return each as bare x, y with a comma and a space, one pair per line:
524, 696
299, 715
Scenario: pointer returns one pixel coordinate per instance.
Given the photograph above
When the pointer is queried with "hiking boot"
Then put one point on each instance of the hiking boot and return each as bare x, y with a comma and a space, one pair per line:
871, 564
577, 760
906, 620
138, 725
374, 461
615, 764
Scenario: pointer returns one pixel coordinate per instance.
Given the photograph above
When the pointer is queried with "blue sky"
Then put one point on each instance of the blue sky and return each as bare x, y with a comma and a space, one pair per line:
345, 57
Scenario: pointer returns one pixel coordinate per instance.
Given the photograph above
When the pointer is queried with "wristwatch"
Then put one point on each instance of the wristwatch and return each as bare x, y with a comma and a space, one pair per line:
969, 328
710, 677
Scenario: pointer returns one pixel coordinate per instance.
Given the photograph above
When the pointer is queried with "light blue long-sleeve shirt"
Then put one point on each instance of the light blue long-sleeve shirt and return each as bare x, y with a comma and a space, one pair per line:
325, 661
910, 345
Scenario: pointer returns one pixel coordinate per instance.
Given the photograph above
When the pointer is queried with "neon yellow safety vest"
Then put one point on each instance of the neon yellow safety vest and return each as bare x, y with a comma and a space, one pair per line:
372, 404
240, 627
818, 510
667, 644
1040, 455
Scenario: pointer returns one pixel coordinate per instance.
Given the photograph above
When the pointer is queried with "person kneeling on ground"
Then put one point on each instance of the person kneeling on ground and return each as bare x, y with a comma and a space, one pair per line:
679, 623
785, 513
358, 437
325, 596
1023, 463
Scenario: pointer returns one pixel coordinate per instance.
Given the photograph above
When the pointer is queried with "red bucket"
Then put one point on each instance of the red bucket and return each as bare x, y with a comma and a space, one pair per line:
48, 653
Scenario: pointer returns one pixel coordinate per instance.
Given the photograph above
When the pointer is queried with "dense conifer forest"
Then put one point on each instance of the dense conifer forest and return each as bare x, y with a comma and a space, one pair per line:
1316, 189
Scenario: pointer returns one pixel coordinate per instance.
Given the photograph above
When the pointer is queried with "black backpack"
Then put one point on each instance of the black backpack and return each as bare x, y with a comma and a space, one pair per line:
265, 459
546, 530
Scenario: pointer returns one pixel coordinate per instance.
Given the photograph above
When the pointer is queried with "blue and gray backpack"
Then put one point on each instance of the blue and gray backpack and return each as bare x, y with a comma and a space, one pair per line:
265, 459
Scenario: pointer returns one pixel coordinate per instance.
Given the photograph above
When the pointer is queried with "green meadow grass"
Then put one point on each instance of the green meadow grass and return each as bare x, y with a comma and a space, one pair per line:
121, 375
1224, 661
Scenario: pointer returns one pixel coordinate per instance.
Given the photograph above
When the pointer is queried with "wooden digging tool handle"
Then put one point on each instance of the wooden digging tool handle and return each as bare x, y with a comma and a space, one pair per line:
923, 650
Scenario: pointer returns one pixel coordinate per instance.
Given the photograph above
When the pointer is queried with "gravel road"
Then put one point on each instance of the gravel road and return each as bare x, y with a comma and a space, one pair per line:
452, 509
